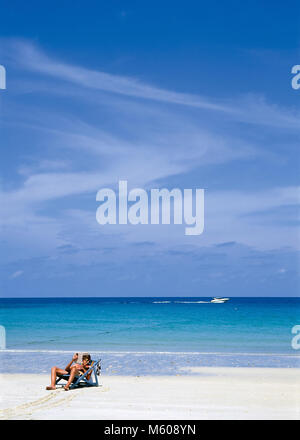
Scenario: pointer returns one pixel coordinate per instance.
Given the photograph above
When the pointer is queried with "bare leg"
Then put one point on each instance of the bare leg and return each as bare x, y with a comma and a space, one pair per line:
68, 369
55, 371
73, 373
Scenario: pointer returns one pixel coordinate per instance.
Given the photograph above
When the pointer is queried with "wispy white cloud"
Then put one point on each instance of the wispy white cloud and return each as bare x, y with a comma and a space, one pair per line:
76, 153
251, 108
17, 274
30, 57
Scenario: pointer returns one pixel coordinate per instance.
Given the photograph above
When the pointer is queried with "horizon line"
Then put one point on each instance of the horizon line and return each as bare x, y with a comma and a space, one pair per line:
136, 297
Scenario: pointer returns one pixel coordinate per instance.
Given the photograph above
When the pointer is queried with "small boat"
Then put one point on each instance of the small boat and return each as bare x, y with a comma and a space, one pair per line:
219, 300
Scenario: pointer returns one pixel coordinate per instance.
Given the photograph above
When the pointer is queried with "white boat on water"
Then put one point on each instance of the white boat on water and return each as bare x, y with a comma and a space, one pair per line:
219, 300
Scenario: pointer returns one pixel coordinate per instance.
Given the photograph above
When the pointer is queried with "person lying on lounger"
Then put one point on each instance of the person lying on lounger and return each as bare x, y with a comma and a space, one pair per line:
72, 370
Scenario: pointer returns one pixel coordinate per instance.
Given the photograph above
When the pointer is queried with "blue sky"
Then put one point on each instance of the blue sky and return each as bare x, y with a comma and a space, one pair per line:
181, 95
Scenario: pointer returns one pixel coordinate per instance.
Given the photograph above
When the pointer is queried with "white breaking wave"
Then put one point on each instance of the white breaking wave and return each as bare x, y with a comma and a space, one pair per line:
153, 352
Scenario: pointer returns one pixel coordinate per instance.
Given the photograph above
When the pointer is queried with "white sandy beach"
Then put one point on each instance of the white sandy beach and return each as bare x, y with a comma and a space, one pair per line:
216, 393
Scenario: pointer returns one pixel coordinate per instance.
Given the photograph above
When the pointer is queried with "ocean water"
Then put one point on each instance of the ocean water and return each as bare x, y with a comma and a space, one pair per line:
149, 335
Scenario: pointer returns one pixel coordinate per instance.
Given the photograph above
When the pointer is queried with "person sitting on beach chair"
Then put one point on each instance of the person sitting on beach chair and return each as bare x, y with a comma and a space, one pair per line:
71, 370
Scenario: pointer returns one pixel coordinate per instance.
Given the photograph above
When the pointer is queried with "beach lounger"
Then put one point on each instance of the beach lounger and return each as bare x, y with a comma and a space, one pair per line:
82, 378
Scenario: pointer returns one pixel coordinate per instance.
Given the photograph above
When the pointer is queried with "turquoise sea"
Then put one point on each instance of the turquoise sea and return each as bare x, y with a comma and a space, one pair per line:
149, 335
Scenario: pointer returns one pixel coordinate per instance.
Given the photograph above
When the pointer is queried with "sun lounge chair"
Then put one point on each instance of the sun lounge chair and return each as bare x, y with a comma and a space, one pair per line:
82, 378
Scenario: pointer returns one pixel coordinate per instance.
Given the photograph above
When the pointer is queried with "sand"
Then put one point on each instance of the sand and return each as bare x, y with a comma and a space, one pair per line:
209, 393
